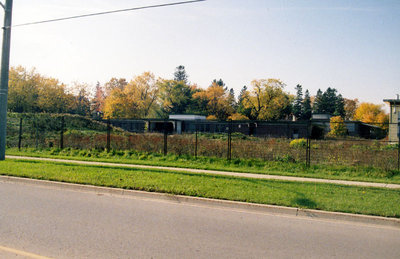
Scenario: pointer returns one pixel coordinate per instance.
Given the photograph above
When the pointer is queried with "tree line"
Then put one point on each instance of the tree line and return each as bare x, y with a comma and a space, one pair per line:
146, 96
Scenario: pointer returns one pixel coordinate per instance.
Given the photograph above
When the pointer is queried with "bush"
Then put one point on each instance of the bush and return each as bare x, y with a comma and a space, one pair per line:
298, 143
338, 128
390, 147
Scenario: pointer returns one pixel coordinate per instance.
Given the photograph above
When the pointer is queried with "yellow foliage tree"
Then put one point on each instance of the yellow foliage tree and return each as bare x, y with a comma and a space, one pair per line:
372, 113
174, 97
135, 100
338, 128
115, 83
216, 100
52, 96
211, 118
237, 117
23, 90
267, 100
31, 92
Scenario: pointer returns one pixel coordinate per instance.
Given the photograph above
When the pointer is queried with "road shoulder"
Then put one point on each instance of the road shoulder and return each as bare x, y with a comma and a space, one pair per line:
224, 204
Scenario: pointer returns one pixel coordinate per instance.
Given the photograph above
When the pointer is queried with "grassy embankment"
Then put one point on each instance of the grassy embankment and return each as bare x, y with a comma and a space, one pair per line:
362, 200
355, 173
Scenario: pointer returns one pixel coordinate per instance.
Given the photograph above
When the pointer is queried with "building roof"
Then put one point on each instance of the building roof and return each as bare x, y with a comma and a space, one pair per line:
392, 101
186, 117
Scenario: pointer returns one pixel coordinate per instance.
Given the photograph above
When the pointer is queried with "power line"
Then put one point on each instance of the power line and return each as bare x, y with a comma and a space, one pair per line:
106, 12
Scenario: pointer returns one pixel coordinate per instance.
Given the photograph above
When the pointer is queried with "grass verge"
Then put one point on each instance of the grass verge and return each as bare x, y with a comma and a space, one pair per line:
329, 197
351, 173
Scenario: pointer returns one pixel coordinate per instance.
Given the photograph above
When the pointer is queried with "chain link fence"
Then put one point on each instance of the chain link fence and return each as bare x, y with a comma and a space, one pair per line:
302, 142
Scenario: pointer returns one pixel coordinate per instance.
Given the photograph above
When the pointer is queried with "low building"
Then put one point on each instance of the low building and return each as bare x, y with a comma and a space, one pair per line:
318, 127
394, 119
354, 128
181, 121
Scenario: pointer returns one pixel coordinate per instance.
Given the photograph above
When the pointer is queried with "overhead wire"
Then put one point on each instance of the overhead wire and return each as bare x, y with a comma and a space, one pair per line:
107, 12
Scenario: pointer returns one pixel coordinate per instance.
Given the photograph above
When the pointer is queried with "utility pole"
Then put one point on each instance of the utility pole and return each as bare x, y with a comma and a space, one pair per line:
5, 63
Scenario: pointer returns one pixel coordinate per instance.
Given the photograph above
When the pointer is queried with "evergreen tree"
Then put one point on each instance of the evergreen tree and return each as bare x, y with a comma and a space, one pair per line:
329, 99
219, 82
231, 99
339, 106
241, 107
318, 105
329, 102
306, 106
181, 75
297, 104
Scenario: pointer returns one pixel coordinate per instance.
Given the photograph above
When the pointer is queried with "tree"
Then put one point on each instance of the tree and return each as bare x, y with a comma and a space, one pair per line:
52, 96
219, 82
97, 102
306, 106
338, 128
243, 95
318, 103
116, 105
196, 105
372, 114
23, 90
267, 100
339, 106
80, 100
216, 101
115, 83
211, 118
350, 107
328, 104
298, 103
174, 97
237, 117
181, 75
231, 99
135, 100
31, 92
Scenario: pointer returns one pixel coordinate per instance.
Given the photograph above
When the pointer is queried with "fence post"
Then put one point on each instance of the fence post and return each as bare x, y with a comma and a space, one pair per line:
398, 147
398, 156
229, 140
195, 146
20, 134
62, 133
308, 146
165, 138
36, 134
108, 147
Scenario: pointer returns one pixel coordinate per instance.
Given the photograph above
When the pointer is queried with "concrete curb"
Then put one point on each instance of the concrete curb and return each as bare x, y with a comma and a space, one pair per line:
214, 172
271, 209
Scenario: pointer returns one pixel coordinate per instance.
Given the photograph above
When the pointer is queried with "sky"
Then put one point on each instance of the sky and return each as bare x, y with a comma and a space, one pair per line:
353, 46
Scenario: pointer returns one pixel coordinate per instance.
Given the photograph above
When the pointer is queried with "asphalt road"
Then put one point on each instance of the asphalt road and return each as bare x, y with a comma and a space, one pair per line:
60, 223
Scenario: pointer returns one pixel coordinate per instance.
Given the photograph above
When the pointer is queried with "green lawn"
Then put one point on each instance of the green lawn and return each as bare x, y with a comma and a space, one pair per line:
354, 173
362, 200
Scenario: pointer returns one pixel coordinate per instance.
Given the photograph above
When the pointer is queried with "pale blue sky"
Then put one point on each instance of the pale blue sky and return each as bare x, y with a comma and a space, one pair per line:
353, 46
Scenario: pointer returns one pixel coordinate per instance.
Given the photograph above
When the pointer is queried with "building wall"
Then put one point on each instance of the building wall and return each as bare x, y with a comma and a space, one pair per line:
394, 120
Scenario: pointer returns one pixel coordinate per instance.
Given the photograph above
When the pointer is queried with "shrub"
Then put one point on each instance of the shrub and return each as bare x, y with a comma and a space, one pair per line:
238, 117
338, 128
390, 147
285, 159
298, 143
